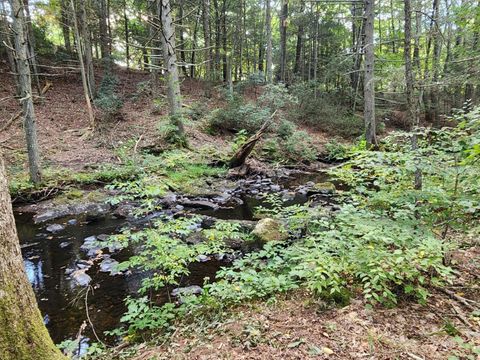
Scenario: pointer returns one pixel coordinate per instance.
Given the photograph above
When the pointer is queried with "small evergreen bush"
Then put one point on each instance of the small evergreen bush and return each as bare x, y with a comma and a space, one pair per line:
107, 98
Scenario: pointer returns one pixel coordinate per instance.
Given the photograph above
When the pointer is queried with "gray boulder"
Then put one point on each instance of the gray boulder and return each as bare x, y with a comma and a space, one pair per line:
270, 230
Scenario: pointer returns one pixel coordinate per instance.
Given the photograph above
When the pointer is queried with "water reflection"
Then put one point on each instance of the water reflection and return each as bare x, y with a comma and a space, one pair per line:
34, 273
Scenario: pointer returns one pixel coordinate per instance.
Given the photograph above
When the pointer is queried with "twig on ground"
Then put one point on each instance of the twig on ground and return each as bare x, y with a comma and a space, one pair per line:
10, 122
460, 299
88, 318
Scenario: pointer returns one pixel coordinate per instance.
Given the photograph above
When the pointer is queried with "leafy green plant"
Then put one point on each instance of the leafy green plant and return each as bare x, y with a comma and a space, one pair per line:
238, 115
107, 98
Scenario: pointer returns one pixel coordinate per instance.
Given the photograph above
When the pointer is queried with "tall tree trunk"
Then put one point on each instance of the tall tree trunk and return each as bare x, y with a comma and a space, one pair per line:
25, 81
65, 24
127, 34
194, 45
218, 40
315, 52
435, 64
369, 86
83, 71
87, 47
23, 335
103, 27
283, 41
224, 41
392, 27
299, 47
155, 34
32, 58
170, 62
181, 47
412, 113
268, 24
208, 50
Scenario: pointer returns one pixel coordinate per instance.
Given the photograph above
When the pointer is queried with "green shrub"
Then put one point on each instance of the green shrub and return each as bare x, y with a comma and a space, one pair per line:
238, 115
336, 151
298, 147
107, 98
326, 112
197, 110
276, 96
169, 130
285, 129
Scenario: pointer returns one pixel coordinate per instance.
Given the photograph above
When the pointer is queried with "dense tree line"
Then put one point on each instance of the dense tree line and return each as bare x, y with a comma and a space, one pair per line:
354, 49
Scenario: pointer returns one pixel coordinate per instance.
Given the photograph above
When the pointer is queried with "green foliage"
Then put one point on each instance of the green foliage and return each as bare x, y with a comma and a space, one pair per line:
197, 110
107, 98
240, 138
286, 129
325, 112
170, 130
176, 170
298, 147
166, 257
238, 115
276, 96
449, 197
382, 242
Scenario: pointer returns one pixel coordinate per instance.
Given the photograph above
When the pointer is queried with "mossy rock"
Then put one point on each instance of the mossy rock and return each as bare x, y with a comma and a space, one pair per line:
323, 188
269, 229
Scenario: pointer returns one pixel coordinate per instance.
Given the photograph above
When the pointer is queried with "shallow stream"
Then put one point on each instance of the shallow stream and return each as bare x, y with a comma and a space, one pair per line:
63, 304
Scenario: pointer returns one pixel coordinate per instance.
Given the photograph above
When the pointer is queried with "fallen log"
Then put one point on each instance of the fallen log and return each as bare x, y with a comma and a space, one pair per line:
238, 159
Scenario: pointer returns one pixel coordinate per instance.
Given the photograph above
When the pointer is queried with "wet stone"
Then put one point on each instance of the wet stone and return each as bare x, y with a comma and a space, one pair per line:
189, 290
55, 228
80, 278
109, 265
64, 244
203, 258
72, 222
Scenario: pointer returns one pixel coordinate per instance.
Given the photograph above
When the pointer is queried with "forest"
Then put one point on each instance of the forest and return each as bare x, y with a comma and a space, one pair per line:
239, 179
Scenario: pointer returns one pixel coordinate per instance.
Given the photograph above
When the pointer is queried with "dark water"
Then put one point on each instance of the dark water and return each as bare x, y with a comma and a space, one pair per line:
62, 304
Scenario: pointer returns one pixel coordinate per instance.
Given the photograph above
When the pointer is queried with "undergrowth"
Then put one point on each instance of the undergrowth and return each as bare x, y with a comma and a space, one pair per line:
386, 241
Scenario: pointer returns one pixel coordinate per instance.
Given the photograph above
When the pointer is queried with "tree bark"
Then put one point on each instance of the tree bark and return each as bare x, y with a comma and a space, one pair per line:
217, 38
83, 72
103, 27
299, 47
155, 33
65, 25
171, 70
127, 34
182, 40
5, 36
224, 41
22, 332
283, 41
208, 50
369, 86
268, 24
23, 335
412, 113
31, 46
435, 64
194, 45
25, 82
87, 47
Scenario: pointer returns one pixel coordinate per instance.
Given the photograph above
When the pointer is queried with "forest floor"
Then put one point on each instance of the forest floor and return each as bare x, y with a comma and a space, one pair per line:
62, 119
299, 327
